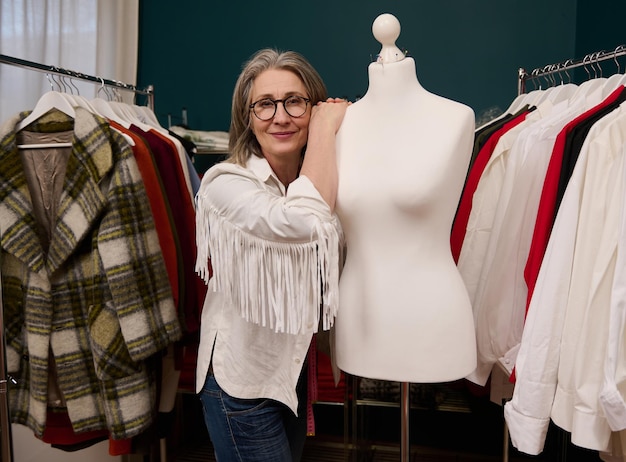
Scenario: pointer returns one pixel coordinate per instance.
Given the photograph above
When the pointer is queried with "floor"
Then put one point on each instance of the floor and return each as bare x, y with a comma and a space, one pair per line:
323, 450
462, 434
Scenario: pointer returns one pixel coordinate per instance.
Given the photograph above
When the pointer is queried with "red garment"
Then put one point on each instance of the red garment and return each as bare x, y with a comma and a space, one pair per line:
547, 203
459, 227
183, 211
59, 430
159, 206
194, 283
327, 391
59, 433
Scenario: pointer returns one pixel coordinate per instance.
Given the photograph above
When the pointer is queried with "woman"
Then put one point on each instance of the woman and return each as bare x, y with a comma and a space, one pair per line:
266, 221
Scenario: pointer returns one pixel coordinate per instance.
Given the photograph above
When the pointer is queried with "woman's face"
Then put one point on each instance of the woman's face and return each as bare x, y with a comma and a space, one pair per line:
282, 137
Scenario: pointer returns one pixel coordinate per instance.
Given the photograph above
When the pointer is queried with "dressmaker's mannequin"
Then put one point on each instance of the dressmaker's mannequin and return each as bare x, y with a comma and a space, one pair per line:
403, 154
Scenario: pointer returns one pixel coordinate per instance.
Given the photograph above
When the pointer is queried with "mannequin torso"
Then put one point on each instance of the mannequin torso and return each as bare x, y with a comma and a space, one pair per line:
403, 155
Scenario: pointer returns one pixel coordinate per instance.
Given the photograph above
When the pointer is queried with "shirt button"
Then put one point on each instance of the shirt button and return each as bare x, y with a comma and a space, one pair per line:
298, 361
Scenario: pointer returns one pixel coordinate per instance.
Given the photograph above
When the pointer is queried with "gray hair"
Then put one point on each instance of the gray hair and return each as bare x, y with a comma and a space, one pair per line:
242, 141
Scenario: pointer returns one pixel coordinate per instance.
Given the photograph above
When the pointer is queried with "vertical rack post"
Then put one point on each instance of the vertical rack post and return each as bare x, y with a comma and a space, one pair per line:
521, 81
405, 443
6, 441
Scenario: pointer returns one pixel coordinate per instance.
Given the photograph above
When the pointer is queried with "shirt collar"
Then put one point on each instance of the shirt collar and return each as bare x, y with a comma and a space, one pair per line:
261, 168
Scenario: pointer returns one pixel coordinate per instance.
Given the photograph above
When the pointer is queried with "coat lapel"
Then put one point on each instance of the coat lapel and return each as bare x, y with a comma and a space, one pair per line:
81, 201
18, 229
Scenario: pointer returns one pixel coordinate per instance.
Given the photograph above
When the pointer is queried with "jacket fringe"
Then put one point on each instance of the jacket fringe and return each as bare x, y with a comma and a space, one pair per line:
283, 286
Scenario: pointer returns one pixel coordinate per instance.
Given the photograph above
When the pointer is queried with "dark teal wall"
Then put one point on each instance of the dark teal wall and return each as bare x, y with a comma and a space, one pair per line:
600, 26
470, 51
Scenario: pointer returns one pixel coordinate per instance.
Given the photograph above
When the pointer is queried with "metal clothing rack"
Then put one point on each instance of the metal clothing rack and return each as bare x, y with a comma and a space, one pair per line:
549, 70
546, 72
6, 443
47, 69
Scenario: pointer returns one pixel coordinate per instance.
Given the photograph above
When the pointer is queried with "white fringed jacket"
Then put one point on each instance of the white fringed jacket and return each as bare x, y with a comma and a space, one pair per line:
275, 255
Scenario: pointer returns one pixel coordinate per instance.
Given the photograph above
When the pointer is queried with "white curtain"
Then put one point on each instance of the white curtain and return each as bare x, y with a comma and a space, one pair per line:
94, 37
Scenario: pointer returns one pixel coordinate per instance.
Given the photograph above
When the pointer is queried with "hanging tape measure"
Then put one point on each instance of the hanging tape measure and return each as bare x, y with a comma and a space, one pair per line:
311, 389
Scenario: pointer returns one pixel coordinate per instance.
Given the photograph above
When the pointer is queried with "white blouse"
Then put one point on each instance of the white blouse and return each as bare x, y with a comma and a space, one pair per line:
275, 254
559, 368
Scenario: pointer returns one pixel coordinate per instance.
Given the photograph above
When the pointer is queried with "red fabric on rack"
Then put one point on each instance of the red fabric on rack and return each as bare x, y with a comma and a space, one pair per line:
160, 208
193, 291
60, 434
194, 282
459, 227
548, 201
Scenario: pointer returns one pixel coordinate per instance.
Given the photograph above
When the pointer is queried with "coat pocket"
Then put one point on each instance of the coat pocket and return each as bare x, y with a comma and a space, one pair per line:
111, 357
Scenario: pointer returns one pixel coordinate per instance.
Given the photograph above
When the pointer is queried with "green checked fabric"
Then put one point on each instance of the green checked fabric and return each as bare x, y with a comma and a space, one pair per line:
97, 304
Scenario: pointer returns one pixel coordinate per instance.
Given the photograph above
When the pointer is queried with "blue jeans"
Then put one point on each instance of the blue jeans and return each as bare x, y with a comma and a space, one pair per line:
253, 430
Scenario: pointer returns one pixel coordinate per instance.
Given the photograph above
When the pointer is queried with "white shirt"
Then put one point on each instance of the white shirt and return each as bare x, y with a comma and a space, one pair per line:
576, 406
484, 204
275, 259
500, 301
559, 367
611, 398
477, 239
500, 230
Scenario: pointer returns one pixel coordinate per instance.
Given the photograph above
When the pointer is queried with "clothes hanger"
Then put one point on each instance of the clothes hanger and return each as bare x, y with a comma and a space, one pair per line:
67, 91
149, 115
532, 95
78, 99
105, 108
135, 115
562, 91
547, 72
127, 112
48, 101
123, 113
64, 102
120, 108
102, 108
141, 114
617, 79
587, 89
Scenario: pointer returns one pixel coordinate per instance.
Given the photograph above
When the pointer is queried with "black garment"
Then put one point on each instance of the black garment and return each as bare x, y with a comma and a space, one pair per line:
189, 145
484, 133
574, 143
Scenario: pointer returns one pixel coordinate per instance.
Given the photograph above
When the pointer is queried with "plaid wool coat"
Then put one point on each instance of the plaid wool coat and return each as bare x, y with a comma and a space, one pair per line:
96, 305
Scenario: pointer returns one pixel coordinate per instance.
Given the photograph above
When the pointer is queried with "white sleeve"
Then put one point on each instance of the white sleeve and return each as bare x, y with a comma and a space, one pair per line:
276, 257
528, 413
611, 400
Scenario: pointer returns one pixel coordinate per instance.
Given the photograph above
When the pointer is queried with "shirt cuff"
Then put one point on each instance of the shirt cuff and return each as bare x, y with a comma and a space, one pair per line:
528, 434
614, 408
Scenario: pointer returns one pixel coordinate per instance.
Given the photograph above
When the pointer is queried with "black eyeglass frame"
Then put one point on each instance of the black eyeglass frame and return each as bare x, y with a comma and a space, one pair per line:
276, 101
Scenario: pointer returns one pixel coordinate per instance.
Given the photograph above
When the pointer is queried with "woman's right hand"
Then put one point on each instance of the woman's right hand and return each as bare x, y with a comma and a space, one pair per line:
320, 163
328, 114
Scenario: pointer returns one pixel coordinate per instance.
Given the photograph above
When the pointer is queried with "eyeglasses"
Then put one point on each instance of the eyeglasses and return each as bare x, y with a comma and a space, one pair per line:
265, 108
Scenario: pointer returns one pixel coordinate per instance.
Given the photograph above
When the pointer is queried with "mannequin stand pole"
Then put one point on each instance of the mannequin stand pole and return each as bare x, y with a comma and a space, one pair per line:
405, 444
